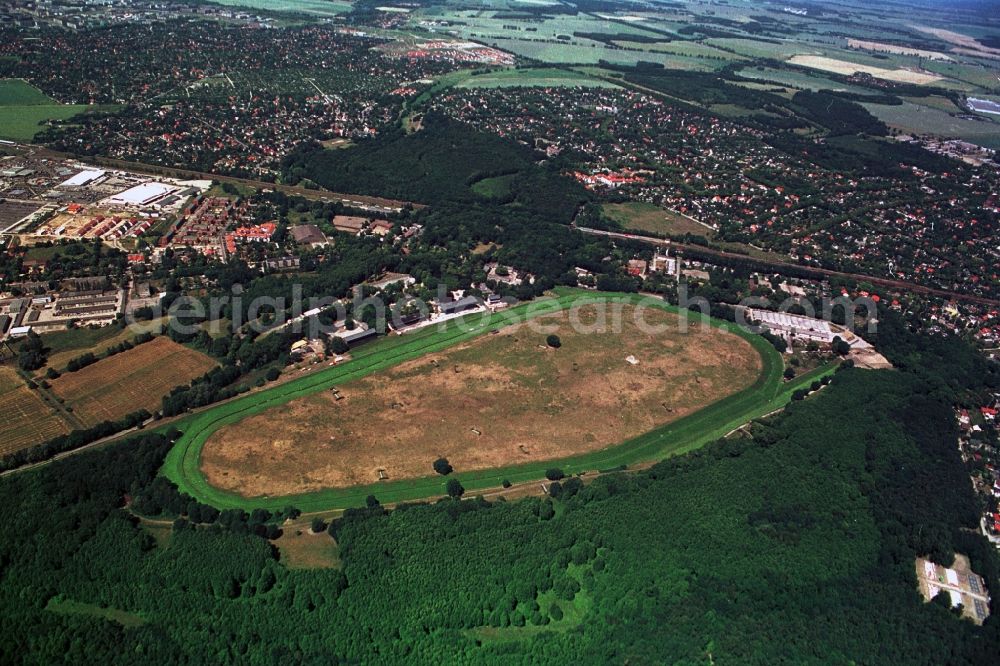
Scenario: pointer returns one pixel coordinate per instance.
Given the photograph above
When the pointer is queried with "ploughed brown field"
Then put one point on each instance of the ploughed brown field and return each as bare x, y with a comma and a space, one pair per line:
498, 400
132, 380
25, 419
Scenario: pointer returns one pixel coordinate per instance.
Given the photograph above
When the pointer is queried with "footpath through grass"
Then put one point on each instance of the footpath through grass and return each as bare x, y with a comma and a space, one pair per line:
766, 394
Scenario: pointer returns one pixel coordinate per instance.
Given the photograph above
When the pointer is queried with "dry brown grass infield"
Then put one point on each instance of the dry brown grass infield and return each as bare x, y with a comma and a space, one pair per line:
132, 380
25, 420
497, 400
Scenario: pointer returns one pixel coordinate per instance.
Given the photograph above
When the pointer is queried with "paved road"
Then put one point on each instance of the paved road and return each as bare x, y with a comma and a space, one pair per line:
782, 266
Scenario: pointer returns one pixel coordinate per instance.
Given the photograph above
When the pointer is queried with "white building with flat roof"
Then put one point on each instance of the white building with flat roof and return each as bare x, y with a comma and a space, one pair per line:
84, 178
799, 328
796, 325
143, 195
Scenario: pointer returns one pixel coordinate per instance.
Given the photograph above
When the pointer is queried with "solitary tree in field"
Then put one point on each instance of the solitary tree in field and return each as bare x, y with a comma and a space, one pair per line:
553, 341
442, 466
455, 488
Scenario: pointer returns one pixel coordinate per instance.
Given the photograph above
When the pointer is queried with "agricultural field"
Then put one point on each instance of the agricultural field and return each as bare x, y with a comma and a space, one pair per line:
132, 380
936, 102
641, 216
22, 123
757, 49
502, 399
66, 345
683, 48
881, 47
973, 75
15, 92
538, 78
836, 66
584, 51
314, 7
24, 109
912, 118
25, 419
796, 79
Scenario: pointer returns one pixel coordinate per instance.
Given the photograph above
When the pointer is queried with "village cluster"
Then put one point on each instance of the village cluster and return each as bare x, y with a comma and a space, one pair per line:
979, 444
277, 90
935, 228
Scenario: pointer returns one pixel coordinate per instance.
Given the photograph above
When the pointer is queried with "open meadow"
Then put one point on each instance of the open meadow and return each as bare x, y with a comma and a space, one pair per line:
25, 419
16, 92
536, 78
132, 380
24, 109
642, 216
499, 400
920, 119
313, 7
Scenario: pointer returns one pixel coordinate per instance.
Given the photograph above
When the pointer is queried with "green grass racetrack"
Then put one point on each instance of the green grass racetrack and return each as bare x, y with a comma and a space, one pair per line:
766, 394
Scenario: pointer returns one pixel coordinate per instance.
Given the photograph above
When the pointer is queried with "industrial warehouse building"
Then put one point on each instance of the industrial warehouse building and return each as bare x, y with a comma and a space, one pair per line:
799, 328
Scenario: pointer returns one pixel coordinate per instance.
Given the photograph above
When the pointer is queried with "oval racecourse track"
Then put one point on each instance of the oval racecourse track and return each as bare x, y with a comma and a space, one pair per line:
767, 394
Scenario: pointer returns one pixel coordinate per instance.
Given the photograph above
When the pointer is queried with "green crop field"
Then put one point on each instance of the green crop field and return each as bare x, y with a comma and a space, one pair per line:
925, 120
641, 216
683, 48
314, 7
22, 123
15, 92
542, 77
796, 79
767, 393
757, 49
24, 109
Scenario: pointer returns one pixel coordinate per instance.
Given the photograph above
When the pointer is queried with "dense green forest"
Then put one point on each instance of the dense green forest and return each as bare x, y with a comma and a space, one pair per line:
439, 163
792, 544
